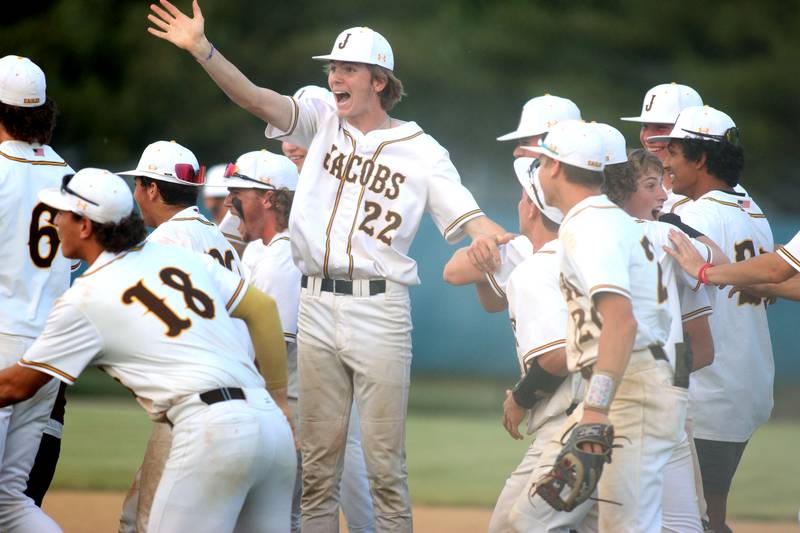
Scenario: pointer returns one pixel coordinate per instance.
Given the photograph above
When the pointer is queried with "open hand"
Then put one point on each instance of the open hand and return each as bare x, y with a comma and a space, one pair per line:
180, 30
484, 252
684, 253
512, 416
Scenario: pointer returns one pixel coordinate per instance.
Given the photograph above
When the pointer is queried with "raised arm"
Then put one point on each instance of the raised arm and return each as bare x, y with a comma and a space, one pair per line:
189, 34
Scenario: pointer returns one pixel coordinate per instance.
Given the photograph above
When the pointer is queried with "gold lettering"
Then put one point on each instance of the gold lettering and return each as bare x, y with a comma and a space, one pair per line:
379, 181
336, 166
351, 176
394, 191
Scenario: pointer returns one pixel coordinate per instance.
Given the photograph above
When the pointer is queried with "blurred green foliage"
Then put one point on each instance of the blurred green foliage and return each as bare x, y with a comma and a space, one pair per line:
468, 67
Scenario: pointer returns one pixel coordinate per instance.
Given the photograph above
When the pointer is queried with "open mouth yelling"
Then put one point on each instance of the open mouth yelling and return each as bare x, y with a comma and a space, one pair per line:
342, 97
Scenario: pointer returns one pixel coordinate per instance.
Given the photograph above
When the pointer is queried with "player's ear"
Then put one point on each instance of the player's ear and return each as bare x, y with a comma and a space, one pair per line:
701, 161
266, 199
86, 228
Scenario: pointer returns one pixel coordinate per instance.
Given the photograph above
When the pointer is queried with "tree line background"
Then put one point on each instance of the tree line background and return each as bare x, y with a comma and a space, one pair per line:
468, 66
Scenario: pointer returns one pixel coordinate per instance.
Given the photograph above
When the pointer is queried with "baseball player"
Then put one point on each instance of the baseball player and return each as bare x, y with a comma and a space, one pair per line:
660, 109
539, 114
33, 275
618, 324
732, 397
168, 180
765, 275
179, 355
261, 188
366, 181
538, 314
641, 195
214, 193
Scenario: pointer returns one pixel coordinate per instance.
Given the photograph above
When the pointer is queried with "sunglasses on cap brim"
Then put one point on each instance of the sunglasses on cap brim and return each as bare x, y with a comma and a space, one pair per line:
531, 170
186, 173
66, 189
232, 171
731, 135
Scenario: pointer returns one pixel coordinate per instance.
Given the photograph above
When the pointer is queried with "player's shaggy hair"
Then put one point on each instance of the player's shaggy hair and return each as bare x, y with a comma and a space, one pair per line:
32, 125
724, 160
281, 204
393, 92
622, 180
174, 193
120, 236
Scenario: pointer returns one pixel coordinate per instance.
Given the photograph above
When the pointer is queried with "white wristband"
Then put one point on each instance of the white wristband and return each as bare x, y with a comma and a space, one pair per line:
602, 387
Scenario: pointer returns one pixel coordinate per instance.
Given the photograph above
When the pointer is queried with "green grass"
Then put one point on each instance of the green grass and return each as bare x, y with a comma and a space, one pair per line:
452, 459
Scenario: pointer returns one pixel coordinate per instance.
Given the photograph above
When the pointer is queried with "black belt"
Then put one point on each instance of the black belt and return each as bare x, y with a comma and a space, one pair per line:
343, 286
656, 349
222, 395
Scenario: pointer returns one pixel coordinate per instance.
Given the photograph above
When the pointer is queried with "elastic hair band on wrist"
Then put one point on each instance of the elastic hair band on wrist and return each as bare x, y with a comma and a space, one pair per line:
209, 56
702, 277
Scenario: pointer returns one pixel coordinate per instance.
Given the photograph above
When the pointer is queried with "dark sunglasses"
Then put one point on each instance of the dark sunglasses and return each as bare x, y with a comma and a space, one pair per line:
232, 171
187, 174
531, 171
65, 188
731, 135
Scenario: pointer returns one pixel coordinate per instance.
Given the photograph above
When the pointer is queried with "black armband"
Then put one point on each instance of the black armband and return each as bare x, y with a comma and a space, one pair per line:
675, 220
536, 384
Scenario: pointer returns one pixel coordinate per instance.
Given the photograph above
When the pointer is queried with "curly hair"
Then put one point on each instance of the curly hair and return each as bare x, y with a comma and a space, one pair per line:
120, 236
724, 160
32, 125
282, 205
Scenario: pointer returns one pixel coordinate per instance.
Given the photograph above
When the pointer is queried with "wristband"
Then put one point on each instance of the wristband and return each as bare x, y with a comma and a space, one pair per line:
600, 394
209, 56
701, 274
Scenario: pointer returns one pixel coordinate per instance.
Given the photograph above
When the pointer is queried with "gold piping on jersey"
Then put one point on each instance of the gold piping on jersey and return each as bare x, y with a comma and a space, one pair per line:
696, 313
342, 181
235, 295
284, 238
603, 287
23, 160
454, 224
186, 219
290, 335
101, 267
573, 215
729, 204
789, 257
679, 202
361, 198
757, 215
545, 252
496, 286
295, 117
232, 237
50, 368
545, 347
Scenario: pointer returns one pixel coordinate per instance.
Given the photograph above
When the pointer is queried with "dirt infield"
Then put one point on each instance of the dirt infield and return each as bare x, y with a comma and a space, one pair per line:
97, 512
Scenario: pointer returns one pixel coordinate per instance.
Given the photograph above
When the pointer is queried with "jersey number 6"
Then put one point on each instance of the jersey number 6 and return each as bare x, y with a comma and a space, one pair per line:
37, 231
195, 299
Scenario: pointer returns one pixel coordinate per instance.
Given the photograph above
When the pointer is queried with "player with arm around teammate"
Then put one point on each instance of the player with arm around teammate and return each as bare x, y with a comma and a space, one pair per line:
732, 397
177, 352
366, 182
617, 327
33, 275
539, 114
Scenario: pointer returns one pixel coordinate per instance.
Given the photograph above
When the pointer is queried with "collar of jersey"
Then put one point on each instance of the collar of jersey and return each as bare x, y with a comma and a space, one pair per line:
600, 200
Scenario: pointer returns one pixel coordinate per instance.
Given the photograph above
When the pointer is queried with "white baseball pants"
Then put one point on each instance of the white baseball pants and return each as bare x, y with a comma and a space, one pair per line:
231, 468
354, 347
649, 412
21, 428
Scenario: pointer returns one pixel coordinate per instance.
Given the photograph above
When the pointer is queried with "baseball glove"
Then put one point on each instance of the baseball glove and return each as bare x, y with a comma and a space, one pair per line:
576, 472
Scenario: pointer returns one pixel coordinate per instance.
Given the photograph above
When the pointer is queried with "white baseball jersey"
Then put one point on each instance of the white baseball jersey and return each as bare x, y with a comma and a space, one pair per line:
791, 252
191, 230
733, 396
674, 202
684, 299
229, 226
605, 250
155, 319
538, 315
275, 274
360, 198
33, 273
252, 254
512, 255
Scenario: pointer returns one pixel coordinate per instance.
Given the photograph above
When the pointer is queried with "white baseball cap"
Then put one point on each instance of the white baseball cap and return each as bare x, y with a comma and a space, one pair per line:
663, 103
361, 45
575, 143
261, 170
540, 114
169, 161
702, 122
94, 193
527, 171
22, 82
613, 143
316, 92
215, 186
